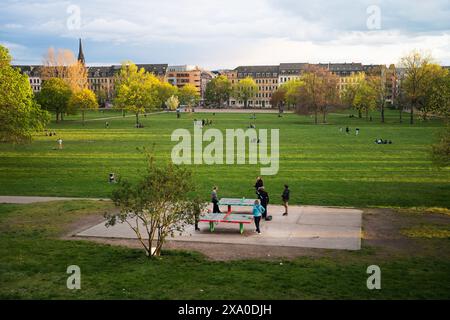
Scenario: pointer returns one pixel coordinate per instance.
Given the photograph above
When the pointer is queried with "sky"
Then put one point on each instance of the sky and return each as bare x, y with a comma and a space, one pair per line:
225, 34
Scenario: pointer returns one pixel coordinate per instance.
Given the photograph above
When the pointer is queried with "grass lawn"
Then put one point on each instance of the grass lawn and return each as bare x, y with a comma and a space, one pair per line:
33, 262
321, 165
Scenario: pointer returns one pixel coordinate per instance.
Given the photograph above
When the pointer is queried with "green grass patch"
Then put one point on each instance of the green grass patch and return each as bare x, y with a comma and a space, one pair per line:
322, 165
33, 263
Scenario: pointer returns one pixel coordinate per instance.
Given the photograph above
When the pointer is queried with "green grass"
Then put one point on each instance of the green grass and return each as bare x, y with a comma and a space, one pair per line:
321, 165
33, 262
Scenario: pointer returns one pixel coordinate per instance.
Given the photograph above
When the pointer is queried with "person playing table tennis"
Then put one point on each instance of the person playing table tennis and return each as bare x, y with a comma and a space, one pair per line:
258, 210
215, 200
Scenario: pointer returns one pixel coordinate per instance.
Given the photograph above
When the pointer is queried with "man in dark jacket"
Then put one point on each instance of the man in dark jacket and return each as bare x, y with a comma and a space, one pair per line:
285, 198
264, 196
259, 183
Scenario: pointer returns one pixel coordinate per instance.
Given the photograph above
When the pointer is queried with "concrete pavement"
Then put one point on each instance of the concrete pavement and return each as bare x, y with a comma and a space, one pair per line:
305, 226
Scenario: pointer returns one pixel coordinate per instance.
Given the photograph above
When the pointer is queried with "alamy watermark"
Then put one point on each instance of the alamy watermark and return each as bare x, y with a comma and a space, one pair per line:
374, 280
74, 280
231, 149
373, 21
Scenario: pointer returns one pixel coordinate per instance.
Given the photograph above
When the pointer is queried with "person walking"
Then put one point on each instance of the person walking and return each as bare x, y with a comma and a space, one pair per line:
215, 200
347, 130
264, 197
285, 198
258, 211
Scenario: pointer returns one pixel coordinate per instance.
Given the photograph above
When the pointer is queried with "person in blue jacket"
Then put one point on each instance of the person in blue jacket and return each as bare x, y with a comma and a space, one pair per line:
258, 210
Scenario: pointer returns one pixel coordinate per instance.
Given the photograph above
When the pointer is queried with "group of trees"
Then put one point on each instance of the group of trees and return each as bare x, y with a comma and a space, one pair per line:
139, 91
65, 85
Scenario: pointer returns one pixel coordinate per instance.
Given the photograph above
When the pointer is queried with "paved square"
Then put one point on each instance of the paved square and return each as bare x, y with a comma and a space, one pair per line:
305, 226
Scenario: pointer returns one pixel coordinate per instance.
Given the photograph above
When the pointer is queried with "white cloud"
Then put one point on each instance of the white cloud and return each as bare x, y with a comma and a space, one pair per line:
227, 33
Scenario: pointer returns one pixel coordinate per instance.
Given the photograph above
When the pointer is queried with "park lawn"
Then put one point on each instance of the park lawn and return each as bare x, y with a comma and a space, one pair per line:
321, 165
34, 258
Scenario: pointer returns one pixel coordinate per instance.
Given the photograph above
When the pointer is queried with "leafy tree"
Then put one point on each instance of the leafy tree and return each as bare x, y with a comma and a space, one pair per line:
83, 100
188, 95
54, 97
218, 90
416, 71
165, 91
292, 88
159, 205
20, 115
137, 90
436, 91
245, 90
172, 103
365, 98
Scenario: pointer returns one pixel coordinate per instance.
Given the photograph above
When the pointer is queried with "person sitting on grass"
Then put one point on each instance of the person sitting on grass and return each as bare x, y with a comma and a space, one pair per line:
258, 211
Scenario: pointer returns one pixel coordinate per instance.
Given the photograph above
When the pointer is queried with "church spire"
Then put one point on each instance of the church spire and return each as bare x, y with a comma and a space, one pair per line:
80, 53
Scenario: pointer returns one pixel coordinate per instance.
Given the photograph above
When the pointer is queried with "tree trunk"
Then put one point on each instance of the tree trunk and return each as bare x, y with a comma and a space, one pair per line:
62, 116
123, 113
315, 116
82, 116
411, 115
359, 113
137, 119
382, 113
367, 114
57, 116
324, 120
401, 112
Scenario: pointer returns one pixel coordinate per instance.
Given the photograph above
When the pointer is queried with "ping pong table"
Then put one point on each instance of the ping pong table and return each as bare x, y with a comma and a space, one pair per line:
236, 202
214, 218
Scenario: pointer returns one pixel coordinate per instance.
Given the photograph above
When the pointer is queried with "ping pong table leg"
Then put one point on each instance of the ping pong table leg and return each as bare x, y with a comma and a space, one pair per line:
211, 226
229, 209
241, 228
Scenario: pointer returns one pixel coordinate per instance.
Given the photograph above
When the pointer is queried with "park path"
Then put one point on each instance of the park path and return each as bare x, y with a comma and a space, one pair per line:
35, 199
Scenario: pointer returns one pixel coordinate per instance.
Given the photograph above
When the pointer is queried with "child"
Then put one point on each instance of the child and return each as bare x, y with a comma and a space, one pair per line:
258, 210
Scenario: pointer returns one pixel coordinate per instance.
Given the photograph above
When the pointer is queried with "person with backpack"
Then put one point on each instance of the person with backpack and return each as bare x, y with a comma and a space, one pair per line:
264, 196
259, 183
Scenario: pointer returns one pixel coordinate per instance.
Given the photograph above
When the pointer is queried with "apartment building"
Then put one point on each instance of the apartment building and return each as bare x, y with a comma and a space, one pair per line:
34, 76
266, 79
179, 76
291, 71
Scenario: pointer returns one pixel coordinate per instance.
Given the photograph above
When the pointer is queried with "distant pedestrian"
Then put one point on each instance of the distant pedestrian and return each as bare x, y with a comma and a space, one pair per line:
285, 198
347, 130
341, 129
106, 124
60, 143
258, 211
264, 197
215, 200
357, 131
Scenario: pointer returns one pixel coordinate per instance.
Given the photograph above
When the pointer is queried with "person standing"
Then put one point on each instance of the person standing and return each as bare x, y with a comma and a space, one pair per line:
215, 200
264, 196
347, 130
357, 131
259, 183
258, 211
285, 198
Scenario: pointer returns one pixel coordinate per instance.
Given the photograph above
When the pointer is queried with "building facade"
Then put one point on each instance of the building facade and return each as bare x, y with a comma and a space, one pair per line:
266, 79
180, 76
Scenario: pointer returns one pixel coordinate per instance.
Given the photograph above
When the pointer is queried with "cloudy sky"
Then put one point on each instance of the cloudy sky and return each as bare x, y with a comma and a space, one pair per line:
225, 34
